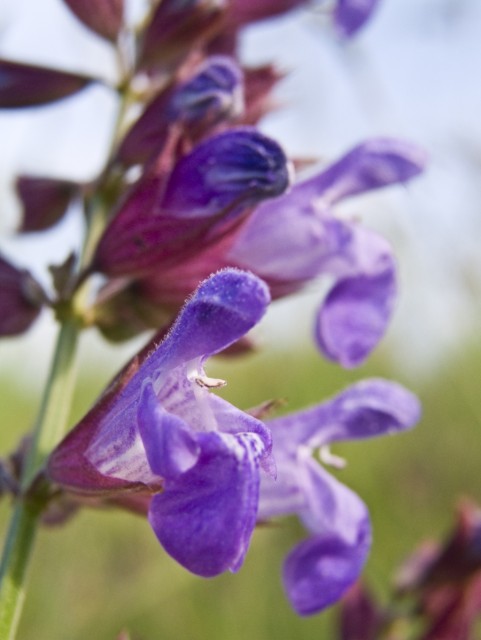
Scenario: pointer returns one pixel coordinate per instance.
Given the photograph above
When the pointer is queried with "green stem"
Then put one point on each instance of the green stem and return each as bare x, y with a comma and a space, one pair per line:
50, 426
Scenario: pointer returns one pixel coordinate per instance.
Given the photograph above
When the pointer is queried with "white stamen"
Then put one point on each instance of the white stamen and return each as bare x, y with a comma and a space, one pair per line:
331, 459
209, 383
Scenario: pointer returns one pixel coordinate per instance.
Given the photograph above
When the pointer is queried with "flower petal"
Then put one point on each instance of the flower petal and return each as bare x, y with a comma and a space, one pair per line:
320, 570
232, 170
170, 445
356, 311
205, 519
369, 408
351, 15
376, 163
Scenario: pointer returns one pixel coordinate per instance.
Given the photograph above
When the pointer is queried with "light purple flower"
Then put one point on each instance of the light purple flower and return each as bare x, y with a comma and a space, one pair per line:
159, 432
320, 569
295, 238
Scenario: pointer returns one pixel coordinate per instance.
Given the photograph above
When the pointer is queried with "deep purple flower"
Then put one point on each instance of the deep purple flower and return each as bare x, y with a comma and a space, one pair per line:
351, 15
160, 432
213, 93
166, 220
295, 238
21, 299
320, 569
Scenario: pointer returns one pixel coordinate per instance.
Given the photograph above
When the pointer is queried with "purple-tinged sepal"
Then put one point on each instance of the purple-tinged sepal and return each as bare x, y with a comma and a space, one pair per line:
242, 12
176, 28
159, 431
44, 201
351, 15
21, 299
27, 85
104, 17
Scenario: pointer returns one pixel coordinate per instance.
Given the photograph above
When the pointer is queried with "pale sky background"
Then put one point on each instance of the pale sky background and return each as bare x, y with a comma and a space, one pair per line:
413, 72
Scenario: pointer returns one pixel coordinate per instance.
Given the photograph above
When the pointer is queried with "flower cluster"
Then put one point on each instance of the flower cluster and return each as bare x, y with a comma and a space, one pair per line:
199, 221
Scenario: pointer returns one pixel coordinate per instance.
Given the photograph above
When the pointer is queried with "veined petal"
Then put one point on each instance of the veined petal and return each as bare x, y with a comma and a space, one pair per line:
205, 519
373, 164
223, 308
227, 172
170, 445
319, 570
369, 408
356, 311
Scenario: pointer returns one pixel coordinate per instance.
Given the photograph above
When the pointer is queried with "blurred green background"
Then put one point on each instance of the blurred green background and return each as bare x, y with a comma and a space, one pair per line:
104, 572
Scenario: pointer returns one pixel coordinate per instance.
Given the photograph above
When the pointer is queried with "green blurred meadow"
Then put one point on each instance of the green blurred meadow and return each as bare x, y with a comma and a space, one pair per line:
104, 572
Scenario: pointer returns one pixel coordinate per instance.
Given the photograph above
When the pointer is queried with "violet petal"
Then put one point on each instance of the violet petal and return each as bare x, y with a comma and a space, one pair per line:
205, 518
228, 172
170, 445
351, 15
320, 570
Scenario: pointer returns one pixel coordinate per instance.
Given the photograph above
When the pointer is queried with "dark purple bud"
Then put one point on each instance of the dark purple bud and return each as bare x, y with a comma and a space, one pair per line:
231, 171
26, 85
212, 94
351, 15
44, 201
21, 299
105, 17
176, 27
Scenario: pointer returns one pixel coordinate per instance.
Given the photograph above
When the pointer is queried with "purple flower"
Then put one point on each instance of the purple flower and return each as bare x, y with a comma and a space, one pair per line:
158, 431
291, 240
320, 569
166, 220
351, 15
